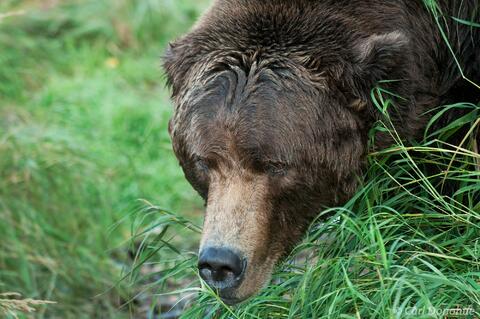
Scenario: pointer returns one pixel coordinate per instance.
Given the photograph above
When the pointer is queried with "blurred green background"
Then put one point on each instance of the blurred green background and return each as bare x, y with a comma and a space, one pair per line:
83, 136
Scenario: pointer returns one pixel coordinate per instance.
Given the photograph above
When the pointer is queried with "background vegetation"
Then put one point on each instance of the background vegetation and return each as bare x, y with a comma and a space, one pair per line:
83, 115
83, 136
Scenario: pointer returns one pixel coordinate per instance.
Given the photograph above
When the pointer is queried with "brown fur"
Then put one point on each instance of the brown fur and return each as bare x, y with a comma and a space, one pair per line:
273, 108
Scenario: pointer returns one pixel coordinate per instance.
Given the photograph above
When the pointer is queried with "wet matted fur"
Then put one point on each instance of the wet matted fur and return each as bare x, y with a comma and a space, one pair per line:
273, 107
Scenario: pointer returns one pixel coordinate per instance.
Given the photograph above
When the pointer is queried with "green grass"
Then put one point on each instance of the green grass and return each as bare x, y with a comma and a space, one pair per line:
83, 136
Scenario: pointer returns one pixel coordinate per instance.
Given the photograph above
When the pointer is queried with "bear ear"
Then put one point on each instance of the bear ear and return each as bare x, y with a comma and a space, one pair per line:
378, 57
171, 64
177, 62
167, 61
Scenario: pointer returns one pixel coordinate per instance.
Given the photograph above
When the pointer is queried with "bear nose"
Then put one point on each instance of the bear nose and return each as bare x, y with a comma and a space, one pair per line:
221, 268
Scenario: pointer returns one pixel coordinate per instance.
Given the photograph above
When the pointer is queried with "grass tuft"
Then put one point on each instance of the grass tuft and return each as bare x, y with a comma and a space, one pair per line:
11, 304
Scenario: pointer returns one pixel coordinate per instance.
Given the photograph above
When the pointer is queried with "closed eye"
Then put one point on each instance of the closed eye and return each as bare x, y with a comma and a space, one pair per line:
201, 164
276, 168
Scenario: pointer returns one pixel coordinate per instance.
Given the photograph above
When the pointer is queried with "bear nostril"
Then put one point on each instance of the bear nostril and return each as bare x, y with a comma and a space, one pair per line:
220, 267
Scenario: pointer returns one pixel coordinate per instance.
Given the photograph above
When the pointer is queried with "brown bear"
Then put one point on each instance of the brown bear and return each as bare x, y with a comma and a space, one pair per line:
273, 108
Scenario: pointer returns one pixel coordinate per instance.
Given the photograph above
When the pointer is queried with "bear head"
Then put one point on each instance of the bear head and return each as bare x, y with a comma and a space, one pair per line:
270, 126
